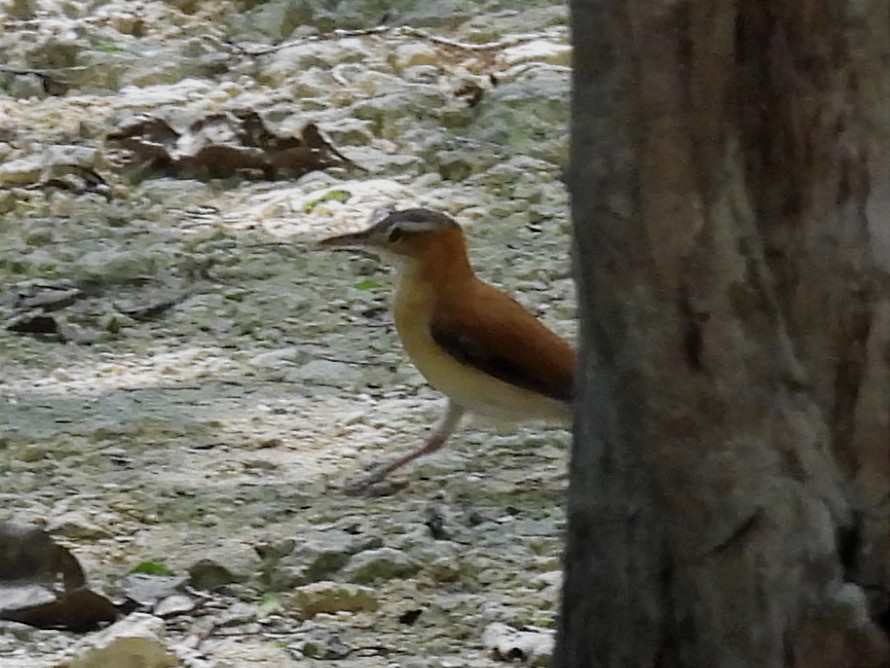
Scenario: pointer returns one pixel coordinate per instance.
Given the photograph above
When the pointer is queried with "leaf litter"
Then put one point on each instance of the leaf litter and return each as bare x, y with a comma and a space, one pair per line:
154, 428
222, 145
31, 563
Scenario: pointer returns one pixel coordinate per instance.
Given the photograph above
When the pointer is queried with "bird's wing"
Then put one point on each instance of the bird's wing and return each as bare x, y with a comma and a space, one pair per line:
488, 330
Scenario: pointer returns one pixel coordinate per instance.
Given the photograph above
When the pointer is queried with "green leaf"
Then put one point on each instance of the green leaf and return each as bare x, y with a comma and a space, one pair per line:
310, 650
151, 568
330, 195
368, 284
269, 601
107, 47
338, 195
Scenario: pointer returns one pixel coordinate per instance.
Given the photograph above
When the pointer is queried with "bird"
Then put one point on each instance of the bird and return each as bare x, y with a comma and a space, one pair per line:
472, 342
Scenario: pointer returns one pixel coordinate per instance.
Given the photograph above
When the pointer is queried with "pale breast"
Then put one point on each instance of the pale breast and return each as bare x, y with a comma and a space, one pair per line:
468, 386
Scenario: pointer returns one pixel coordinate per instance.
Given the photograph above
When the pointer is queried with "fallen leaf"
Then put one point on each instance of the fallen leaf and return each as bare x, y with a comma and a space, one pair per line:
224, 144
408, 618
76, 179
368, 284
151, 568
330, 196
29, 554
33, 323
75, 610
206, 574
470, 91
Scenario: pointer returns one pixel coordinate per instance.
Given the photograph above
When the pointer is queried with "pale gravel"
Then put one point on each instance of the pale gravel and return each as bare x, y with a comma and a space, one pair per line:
199, 434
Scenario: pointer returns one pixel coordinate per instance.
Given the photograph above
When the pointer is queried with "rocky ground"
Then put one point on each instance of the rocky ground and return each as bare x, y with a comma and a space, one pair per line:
197, 374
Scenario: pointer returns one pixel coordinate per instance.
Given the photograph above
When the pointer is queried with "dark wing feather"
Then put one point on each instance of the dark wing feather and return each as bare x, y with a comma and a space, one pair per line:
491, 332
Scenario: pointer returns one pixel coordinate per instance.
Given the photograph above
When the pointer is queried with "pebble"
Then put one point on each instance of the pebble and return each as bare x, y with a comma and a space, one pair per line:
532, 647
208, 575
331, 597
538, 51
275, 358
150, 428
325, 372
133, 642
384, 563
415, 55
21, 172
75, 525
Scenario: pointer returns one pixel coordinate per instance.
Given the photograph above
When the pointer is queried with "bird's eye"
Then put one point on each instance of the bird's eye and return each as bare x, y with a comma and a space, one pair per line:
394, 235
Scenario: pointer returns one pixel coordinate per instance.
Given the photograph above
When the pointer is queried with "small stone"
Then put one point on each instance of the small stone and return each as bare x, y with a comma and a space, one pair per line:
422, 74
113, 265
149, 589
323, 645
411, 55
38, 236
445, 569
532, 647
175, 604
21, 172
539, 51
317, 557
530, 527
128, 24
8, 201
326, 372
552, 579
207, 574
458, 165
275, 358
115, 322
74, 525
272, 553
325, 563
61, 155
25, 86
330, 597
132, 642
23, 10
384, 563
32, 452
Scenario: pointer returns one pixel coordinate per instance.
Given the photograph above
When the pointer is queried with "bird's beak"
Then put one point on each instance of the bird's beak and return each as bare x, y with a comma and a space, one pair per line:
371, 237
364, 239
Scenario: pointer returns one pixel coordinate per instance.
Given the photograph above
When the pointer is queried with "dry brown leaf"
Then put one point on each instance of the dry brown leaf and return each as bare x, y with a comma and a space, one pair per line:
225, 144
75, 610
29, 554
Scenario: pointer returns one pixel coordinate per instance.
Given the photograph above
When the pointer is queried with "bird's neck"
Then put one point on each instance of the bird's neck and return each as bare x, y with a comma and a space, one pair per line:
444, 263
422, 280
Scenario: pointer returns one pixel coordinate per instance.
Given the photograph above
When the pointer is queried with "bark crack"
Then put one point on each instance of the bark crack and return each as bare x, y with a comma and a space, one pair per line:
738, 534
693, 341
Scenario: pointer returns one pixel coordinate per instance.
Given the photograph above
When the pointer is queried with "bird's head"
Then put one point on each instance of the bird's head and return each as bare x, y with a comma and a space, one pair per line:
410, 236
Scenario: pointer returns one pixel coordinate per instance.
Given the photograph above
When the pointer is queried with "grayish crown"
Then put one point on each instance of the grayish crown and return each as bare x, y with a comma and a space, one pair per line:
410, 220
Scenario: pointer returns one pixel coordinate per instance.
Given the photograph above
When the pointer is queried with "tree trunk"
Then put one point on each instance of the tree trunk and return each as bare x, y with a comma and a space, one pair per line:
729, 499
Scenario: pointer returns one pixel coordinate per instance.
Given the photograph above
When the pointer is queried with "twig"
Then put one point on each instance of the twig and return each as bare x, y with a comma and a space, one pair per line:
395, 31
469, 46
41, 72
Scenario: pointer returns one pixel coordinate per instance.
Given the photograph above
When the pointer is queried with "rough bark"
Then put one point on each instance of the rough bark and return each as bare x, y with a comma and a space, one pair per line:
730, 478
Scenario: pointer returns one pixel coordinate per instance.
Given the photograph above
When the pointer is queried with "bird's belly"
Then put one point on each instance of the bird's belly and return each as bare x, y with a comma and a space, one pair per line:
474, 389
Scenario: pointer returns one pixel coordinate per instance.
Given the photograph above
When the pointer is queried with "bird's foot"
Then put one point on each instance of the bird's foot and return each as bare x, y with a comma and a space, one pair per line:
374, 483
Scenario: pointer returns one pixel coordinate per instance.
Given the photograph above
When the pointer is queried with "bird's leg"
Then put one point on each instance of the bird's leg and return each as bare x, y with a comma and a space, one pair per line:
447, 424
